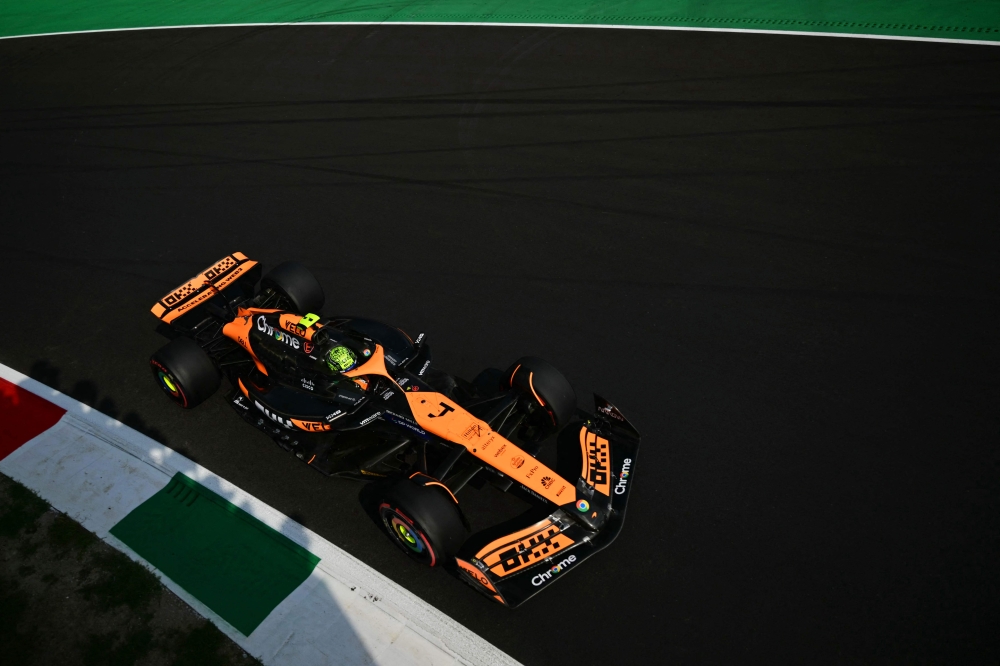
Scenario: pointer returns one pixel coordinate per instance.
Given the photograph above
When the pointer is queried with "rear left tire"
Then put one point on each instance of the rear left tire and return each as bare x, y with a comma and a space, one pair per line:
185, 372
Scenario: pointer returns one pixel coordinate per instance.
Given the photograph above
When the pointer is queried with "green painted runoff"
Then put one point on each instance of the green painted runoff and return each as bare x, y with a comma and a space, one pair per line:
949, 19
227, 559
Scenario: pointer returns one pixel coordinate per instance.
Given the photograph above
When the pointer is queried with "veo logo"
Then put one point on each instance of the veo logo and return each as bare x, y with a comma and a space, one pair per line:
623, 477
543, 577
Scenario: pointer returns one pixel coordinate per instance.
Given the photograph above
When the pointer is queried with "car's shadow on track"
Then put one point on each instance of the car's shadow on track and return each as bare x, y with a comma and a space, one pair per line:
87, 392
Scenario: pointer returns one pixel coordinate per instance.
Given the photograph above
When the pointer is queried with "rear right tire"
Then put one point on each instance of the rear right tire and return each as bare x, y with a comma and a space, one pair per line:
540, 380
297, 284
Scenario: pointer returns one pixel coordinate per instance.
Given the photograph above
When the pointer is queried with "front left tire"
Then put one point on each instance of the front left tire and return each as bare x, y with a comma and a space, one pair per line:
422, 520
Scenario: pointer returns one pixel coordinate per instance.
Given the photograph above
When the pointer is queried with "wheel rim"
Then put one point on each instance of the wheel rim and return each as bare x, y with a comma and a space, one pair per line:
408, 536
169, 385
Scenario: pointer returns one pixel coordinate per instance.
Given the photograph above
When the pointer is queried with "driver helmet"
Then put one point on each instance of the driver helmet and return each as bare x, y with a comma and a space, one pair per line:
341, 359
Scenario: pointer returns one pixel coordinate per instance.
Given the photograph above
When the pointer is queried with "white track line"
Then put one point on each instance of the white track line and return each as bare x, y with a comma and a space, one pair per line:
981, 42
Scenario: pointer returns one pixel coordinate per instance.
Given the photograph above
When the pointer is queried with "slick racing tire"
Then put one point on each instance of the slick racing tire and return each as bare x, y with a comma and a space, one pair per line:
296, 283
185, 372
423, 520
540, 380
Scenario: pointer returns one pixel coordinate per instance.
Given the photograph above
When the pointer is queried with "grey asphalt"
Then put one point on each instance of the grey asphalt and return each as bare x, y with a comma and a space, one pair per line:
777, 255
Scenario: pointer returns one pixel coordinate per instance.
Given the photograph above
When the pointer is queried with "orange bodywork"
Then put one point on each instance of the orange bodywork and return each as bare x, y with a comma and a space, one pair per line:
596, 461
476, 574
239, 330
440, 415
211, 281
509, 554
375, 365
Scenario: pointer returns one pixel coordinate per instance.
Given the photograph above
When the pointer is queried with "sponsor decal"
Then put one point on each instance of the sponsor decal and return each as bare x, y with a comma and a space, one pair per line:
545, 576
525, 551
331, 417
531, 472
546, 482
608, 410
489, 440
404, 422
423, 369
278, 335
195, 302
308, 385
307, 347
388, 394
503, 447
366, 352
220, 268
474, 430
560, 491
274, 417
582, 505
183, 292
371, 418
516, 462
312, 426
392, 359
446, 408
420, 338
402, 381
623, 477
597, 461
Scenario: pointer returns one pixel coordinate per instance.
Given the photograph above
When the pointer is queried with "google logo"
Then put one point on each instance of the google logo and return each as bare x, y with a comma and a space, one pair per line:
582, 506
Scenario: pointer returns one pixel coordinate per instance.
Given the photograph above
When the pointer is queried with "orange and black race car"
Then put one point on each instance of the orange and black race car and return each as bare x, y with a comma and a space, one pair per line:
357, 398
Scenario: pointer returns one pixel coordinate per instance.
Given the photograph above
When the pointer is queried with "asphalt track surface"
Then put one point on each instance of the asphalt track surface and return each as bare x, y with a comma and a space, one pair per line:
778, 255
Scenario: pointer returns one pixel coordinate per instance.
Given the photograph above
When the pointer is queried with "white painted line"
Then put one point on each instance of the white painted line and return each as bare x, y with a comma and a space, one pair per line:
487, 24
96, 470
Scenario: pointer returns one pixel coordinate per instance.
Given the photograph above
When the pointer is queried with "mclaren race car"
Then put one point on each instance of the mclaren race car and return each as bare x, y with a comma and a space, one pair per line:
357, 398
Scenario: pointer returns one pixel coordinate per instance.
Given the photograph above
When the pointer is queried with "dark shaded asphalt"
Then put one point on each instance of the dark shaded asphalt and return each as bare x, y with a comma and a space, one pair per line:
778, 255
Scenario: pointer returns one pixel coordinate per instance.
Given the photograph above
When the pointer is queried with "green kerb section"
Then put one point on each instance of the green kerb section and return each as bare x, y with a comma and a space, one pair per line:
230, 561
949, 19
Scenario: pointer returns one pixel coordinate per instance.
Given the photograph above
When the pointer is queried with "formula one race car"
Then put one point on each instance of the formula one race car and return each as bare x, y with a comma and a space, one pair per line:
357, 398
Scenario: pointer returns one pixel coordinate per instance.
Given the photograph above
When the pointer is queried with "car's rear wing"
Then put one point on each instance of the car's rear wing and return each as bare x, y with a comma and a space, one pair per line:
525, 559
226, 272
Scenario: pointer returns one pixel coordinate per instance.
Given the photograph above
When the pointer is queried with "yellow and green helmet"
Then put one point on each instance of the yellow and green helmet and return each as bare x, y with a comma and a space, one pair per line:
341, 359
